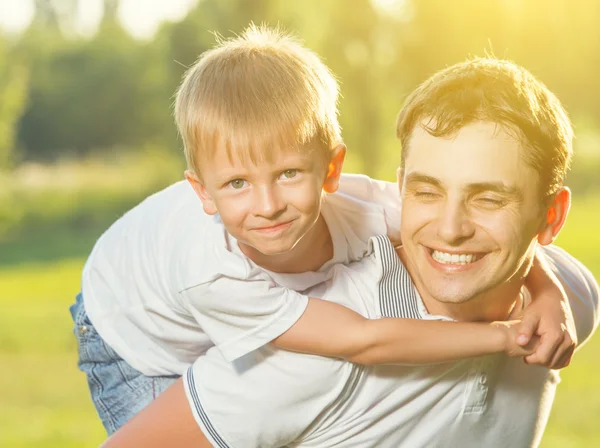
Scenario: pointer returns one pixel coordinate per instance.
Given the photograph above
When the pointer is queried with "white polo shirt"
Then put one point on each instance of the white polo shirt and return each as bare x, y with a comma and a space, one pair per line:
273, 398
165, 282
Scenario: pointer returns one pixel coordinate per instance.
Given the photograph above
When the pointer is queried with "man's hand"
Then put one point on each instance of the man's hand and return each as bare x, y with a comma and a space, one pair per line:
549, 317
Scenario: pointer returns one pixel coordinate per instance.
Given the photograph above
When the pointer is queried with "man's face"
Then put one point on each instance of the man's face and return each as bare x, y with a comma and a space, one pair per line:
471, 212
268, 206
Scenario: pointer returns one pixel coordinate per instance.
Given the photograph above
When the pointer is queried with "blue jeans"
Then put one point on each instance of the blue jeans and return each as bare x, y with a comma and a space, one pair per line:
118, 390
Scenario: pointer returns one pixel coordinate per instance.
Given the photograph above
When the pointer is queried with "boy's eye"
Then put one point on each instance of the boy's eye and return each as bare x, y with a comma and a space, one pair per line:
236, 184
289, 174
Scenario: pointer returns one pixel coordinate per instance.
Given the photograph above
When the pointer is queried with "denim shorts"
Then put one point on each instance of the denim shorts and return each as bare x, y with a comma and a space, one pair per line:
118, 390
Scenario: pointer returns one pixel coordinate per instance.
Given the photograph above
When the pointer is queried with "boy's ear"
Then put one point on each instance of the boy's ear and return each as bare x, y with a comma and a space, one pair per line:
198, 186
556, 214
334, 170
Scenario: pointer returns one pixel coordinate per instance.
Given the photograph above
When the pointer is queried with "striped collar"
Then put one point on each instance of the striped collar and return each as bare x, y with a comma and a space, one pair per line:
397, 294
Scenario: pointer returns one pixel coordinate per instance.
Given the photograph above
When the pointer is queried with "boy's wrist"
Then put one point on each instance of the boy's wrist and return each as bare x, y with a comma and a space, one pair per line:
506, 339
501, 337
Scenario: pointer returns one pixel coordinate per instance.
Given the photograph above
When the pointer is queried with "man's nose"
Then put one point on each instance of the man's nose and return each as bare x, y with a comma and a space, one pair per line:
455, 224
267, 202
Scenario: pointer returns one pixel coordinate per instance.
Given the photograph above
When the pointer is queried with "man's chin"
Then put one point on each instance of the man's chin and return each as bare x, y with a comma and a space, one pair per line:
452, 294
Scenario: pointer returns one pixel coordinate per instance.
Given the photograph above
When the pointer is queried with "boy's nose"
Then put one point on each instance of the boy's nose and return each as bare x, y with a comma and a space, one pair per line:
267, 202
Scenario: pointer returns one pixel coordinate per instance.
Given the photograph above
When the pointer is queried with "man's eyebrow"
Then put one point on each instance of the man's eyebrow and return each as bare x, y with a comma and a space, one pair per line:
424, 178
497, 187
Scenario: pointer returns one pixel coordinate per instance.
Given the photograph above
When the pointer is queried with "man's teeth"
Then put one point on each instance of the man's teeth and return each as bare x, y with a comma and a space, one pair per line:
445, 258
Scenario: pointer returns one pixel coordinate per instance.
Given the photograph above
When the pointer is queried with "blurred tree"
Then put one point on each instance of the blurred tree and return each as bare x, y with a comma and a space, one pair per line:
45, 14
90, 94
13, 88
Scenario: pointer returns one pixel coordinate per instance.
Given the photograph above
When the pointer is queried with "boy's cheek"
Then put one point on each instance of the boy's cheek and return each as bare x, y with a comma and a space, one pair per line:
231, 211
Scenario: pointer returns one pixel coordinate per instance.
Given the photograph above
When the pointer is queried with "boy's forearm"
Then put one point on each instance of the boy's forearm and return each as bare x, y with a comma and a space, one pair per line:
329, 329
409, 341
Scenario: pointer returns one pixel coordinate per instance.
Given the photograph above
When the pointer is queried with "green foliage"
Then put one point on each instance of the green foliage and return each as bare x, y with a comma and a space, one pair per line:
13, 89
37, 201
113, 91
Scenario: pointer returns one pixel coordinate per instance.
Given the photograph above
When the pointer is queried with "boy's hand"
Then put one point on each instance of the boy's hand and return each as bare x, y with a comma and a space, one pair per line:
549, 317
510, 329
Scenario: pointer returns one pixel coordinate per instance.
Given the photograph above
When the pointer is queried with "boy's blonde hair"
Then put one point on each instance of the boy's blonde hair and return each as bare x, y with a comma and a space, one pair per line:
255, 94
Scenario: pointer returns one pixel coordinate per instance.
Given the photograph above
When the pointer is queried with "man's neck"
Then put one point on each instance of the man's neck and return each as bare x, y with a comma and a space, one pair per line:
487, 307
309, 254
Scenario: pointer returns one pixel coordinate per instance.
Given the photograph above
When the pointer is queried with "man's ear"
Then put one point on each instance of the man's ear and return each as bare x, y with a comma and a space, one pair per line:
207, 202
334, 170
556, 214
400, 178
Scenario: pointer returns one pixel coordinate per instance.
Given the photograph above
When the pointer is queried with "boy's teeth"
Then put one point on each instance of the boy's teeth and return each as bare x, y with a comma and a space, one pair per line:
445, 258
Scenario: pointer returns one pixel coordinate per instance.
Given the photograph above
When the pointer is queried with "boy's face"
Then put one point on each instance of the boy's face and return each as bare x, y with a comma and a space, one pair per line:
269, 205
471, 212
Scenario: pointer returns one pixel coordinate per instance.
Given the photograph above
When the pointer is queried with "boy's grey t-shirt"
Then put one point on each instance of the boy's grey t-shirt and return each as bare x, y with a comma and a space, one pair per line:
166, 282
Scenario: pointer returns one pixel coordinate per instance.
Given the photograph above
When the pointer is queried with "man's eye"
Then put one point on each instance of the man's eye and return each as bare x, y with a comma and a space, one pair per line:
490, 202
426, 195
289, 174
236, 184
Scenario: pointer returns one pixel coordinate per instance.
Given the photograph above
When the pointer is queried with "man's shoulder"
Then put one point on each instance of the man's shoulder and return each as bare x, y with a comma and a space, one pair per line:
581, 288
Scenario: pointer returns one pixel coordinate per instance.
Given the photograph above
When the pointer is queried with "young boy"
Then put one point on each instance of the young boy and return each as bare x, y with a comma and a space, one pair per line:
170, 279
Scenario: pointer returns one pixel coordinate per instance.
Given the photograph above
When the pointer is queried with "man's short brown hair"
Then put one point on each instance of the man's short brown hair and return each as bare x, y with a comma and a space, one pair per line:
497, 91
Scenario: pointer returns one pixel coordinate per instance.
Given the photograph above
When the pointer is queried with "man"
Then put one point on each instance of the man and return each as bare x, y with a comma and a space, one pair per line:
485, 148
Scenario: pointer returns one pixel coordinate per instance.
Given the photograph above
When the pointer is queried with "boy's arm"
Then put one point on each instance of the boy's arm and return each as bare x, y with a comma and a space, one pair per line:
330, 329
247, 316
564, 307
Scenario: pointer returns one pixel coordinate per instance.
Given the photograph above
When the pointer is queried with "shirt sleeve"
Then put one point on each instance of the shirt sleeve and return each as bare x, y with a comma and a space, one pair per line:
241, 315
581, 289
385, 194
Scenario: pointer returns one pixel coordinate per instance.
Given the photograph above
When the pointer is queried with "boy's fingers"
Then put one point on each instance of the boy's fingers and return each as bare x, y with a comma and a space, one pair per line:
527, 329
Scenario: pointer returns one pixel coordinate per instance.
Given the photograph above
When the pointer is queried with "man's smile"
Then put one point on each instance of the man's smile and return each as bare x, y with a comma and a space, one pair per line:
453, 260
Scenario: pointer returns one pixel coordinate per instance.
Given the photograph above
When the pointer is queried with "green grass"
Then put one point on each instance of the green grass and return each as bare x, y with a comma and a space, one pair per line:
44, 399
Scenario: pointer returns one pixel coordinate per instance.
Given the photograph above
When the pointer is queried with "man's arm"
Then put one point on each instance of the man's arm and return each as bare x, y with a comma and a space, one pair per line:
581, 289
167, 421
558, 284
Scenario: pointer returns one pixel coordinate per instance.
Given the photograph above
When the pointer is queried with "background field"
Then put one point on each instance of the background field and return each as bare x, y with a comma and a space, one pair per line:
86, 132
